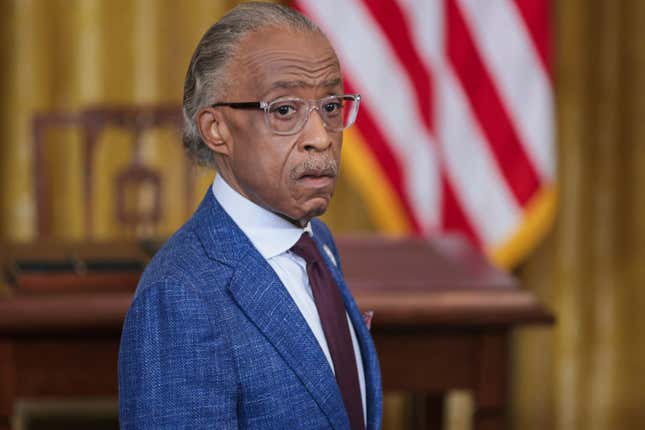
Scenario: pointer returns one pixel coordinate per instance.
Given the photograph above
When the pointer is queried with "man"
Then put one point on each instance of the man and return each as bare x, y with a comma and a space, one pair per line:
243, 320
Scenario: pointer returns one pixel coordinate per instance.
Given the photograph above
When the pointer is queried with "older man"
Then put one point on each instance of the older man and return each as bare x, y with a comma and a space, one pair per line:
243, 320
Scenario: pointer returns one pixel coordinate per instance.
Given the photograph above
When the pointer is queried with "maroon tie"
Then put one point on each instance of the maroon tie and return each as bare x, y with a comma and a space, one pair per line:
331, 311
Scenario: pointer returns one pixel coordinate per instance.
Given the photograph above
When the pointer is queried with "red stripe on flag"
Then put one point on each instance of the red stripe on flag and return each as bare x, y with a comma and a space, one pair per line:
454, 218
536, 19
390, 166
513, 162
392, 22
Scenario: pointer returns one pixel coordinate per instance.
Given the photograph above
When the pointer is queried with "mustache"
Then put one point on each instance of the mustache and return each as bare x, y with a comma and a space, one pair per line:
322, 166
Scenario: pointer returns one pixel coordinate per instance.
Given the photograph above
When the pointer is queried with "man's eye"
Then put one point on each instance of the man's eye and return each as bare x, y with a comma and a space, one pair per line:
284, 110
332, 107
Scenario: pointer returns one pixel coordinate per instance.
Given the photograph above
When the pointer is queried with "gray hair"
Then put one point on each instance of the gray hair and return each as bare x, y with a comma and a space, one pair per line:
207, 79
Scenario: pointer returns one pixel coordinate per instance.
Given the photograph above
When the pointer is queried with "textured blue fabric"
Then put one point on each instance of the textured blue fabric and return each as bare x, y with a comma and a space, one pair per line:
213, 340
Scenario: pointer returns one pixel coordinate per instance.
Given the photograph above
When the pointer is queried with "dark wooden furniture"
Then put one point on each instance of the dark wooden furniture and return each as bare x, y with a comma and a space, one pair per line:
442, 321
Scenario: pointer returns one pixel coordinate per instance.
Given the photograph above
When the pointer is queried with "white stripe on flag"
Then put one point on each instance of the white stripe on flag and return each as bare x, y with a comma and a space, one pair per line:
506, 48
367, 59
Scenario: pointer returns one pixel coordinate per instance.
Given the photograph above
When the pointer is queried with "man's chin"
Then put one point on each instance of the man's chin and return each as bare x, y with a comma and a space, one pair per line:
313, 208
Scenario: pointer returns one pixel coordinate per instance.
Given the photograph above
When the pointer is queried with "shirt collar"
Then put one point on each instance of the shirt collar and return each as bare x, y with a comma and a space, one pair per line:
269, 233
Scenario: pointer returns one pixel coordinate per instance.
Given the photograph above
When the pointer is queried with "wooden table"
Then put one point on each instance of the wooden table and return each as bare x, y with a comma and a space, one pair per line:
442, 322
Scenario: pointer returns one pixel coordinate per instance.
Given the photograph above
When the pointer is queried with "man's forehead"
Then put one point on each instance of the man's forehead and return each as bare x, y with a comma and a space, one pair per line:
272, 40
299, 83
288, 60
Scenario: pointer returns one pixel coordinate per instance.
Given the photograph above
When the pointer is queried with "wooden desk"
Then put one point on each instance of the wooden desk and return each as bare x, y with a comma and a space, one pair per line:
442, 321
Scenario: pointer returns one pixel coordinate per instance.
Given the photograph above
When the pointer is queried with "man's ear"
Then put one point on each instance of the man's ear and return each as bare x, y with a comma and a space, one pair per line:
214, 131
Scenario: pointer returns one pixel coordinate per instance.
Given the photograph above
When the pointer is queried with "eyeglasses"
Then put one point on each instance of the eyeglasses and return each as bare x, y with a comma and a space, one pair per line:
288, 115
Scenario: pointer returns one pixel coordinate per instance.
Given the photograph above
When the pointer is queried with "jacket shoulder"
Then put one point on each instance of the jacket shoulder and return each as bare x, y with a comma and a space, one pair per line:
182, 260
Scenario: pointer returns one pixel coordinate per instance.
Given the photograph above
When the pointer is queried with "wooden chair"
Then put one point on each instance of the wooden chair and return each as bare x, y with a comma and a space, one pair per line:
92, 122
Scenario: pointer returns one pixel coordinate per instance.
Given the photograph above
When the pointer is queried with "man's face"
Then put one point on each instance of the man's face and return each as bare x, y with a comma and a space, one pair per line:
293, 176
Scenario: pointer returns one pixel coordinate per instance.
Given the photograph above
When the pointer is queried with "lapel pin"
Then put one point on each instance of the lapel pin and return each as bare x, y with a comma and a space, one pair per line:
330, 254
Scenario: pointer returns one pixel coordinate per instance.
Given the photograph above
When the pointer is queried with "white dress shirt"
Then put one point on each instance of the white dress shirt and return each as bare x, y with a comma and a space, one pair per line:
273, 237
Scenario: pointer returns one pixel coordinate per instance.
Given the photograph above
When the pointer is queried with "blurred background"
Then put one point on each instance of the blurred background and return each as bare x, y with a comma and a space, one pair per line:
576, 238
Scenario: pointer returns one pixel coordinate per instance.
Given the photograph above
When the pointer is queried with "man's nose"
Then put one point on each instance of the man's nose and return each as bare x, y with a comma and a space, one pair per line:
315, 135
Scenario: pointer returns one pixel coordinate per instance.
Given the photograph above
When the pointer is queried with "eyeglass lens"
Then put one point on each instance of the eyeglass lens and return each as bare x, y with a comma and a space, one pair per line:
289, 115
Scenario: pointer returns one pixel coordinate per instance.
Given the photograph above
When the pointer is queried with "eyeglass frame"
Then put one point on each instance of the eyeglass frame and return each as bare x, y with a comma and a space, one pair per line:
311, 105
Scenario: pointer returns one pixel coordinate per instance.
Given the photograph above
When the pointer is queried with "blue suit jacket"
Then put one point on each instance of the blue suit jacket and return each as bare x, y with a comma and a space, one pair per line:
213, 340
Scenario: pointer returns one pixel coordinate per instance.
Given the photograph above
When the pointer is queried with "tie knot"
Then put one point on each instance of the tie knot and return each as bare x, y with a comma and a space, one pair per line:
306, 248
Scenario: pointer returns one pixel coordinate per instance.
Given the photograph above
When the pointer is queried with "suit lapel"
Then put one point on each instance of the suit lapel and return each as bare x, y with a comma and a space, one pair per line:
265, 301
260, 294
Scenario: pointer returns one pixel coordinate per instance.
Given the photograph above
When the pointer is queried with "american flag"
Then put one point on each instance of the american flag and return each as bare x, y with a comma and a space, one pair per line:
455, 129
